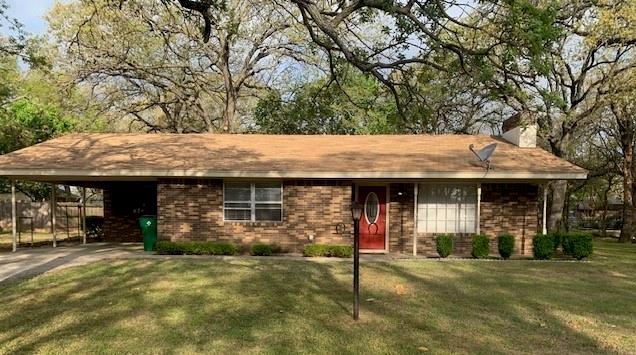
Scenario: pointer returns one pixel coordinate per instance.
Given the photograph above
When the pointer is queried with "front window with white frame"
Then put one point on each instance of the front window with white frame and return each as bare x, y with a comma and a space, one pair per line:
252, 201
445, 208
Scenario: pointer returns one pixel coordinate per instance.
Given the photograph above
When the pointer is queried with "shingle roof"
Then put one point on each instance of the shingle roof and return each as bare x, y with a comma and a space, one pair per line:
288, 156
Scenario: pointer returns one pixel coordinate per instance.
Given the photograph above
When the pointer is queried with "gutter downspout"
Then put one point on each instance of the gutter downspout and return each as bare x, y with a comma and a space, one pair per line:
53, 214
415, 193
14, 218
478, 219
544, 229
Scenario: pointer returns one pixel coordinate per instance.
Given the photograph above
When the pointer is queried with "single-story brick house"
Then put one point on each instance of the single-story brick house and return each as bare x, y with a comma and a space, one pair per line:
295, 190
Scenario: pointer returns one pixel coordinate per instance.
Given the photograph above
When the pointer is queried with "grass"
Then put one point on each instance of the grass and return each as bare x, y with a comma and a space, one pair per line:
260, 305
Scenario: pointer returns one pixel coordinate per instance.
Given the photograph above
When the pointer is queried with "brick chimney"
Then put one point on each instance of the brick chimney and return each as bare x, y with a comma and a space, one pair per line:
521, 130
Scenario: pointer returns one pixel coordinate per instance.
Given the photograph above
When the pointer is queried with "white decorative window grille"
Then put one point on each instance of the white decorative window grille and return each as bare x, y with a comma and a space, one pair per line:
253, 201
446, 208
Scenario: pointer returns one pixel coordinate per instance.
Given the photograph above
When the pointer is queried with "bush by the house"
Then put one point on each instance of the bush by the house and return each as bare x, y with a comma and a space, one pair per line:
506, 245
444, 245
195, 248
338, 251
261, 250
481, 246
557, 239
567, 246
168, 248
578, 245
543, 246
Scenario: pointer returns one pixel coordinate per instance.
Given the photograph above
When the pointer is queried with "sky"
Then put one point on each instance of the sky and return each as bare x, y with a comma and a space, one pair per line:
30, 13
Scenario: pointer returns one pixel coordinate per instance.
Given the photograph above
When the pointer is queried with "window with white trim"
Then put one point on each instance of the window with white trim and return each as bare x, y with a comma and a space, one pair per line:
446, 208
253, 201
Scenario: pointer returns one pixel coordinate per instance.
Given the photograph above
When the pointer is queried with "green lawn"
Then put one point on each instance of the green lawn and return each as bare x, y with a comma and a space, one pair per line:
260, 305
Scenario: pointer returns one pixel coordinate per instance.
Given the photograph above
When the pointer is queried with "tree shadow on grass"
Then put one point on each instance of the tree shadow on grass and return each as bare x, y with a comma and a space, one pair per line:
260, 305
515, 311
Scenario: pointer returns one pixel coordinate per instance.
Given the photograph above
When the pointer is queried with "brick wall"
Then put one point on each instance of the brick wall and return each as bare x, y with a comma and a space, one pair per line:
124, 203
193, 210
510, 208
401, 218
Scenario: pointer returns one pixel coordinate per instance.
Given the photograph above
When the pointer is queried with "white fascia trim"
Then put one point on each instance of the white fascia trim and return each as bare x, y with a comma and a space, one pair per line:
194, 173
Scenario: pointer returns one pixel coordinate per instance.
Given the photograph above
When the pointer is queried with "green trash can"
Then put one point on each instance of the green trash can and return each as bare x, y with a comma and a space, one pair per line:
148, 225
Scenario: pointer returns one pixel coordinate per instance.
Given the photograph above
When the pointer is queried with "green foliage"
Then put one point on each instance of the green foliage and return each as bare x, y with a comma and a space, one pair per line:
24, 123
557, 239
506, 245
27, 122
195, 248
481, 246
261, 250
354, 104
543, 247
529, 29
578, 245
338, 251
33, 108
444, 244
567, 246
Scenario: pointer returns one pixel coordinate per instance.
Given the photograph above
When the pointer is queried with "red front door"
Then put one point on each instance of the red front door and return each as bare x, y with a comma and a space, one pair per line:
373, 220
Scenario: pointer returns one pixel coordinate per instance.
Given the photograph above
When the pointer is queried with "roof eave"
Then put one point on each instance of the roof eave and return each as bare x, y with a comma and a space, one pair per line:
119, 174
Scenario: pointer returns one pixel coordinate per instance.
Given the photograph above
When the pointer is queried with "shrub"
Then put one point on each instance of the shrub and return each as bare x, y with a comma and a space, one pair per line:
261, 250
543, 246
567, 245
506, 245
338, 251
168, 248
444, 244
578, 245
481, 246
557, 239
195, 248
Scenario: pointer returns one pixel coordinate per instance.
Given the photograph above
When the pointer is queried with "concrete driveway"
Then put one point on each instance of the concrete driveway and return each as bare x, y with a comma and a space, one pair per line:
30, 262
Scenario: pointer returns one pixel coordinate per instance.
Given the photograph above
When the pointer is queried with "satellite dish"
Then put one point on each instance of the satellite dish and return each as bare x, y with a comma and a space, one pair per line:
484, 153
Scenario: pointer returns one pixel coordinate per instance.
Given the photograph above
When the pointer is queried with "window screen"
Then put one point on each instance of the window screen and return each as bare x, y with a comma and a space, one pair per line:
253, 201
446, 208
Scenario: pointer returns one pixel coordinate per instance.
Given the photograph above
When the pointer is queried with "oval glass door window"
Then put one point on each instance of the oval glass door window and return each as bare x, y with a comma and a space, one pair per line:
371, 208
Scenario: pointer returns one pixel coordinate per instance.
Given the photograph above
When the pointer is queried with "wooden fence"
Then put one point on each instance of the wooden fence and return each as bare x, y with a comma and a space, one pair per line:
37, 215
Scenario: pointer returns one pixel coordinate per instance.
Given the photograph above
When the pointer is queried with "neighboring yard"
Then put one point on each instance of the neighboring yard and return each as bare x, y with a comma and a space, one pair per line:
39, 238
260, 305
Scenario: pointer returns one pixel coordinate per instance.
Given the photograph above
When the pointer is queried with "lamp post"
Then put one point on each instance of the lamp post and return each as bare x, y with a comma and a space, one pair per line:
356, 212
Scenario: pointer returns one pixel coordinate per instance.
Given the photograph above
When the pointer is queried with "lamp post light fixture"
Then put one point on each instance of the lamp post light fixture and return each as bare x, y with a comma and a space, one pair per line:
356, 212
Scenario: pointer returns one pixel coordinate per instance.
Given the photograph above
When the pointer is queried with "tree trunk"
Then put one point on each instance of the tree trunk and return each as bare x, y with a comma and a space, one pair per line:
229, 112
629, 223
559, 188
606, 191
558, 191
626, 130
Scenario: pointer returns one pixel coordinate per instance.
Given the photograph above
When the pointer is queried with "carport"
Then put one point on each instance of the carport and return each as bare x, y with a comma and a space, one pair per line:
124, 202
53, 211
108, 162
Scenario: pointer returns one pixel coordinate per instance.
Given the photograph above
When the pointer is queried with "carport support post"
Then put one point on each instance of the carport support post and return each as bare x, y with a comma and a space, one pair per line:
53, 220
83, 213
14, 217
